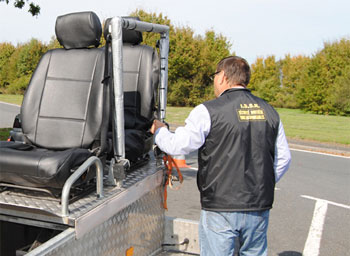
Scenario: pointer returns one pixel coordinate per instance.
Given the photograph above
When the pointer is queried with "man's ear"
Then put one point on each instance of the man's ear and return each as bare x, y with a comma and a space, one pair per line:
222, 78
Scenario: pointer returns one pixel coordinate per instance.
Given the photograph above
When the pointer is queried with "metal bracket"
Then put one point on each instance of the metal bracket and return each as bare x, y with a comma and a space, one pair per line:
110, 179
116, 172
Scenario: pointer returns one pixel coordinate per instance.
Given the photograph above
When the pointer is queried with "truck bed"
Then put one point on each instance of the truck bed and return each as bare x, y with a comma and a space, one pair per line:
131, 216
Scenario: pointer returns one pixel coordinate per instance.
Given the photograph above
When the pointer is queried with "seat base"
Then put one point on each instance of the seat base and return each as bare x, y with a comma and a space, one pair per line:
26, 165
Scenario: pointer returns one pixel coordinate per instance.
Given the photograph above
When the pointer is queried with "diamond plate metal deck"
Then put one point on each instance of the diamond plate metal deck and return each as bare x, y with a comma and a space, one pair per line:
33, 205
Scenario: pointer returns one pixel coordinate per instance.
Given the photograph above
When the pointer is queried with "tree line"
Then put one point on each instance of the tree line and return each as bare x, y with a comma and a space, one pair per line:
319, 83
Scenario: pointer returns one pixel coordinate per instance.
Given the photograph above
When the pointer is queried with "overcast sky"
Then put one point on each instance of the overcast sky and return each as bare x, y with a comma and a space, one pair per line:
256, 28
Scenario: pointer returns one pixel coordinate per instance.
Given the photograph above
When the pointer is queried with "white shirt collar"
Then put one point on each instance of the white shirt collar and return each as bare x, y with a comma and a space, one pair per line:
237, 86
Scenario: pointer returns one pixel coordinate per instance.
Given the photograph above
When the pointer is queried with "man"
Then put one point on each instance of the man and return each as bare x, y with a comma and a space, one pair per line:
242, 153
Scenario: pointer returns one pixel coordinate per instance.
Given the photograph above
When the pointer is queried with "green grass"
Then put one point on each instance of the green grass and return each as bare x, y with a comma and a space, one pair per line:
297, 124
10, 98
322, 128
4, 133
177, 115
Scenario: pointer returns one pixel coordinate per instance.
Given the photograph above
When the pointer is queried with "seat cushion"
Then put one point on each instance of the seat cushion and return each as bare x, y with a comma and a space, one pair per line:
26, 165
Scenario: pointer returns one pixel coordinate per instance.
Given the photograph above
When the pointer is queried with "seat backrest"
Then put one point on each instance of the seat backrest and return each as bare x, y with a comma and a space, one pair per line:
64, 103
140, 79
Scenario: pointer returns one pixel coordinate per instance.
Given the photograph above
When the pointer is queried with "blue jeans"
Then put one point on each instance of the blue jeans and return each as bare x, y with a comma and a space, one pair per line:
218, 230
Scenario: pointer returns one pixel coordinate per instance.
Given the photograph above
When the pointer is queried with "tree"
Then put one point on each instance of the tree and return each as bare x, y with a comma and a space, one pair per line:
54, 44
6, 51
213, 48
320, 79
10, 72
23, 63
265, 79
34, 9
341, 96
292, 69
29, 57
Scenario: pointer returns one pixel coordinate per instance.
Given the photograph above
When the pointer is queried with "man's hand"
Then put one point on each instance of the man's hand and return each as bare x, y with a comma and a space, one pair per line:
156, 125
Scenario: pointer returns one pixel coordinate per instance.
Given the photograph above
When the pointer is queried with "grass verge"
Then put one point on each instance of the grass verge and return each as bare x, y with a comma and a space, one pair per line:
4, 133
11, 98
322, 128
297, 125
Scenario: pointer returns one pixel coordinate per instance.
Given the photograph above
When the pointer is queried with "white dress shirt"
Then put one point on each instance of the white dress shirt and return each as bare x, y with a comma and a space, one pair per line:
192, 136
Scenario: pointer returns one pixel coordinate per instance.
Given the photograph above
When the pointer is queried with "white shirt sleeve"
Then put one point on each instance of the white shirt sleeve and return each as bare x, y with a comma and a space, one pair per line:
282, 154
188, 138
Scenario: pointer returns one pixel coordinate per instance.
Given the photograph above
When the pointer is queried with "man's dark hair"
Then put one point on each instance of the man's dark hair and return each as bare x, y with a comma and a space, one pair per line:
237, 70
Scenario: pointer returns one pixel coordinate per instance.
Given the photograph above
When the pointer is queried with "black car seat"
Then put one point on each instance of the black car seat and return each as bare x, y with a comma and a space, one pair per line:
141, 69
62, 110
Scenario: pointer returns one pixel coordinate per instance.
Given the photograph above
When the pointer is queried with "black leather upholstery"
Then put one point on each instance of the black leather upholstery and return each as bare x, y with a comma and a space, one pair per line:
78, 30
62, 109
140, 81
26, 165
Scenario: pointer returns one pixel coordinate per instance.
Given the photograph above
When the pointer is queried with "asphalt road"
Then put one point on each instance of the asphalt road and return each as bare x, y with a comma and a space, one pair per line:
311, 214
7, 114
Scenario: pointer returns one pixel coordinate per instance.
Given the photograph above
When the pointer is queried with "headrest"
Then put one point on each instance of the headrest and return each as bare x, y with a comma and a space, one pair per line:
78, 30
129, 36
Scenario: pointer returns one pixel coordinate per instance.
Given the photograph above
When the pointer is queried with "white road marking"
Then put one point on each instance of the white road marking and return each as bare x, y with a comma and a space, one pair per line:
313, 241
319, 153
328, 202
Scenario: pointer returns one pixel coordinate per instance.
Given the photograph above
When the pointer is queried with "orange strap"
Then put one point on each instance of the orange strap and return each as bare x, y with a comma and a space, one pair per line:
169, 164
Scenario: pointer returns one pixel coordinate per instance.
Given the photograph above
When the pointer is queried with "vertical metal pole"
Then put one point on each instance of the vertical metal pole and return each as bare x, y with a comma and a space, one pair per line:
118, 115
163, 88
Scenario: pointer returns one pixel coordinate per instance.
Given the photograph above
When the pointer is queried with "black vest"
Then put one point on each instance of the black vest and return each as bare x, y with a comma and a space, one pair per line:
236, 162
